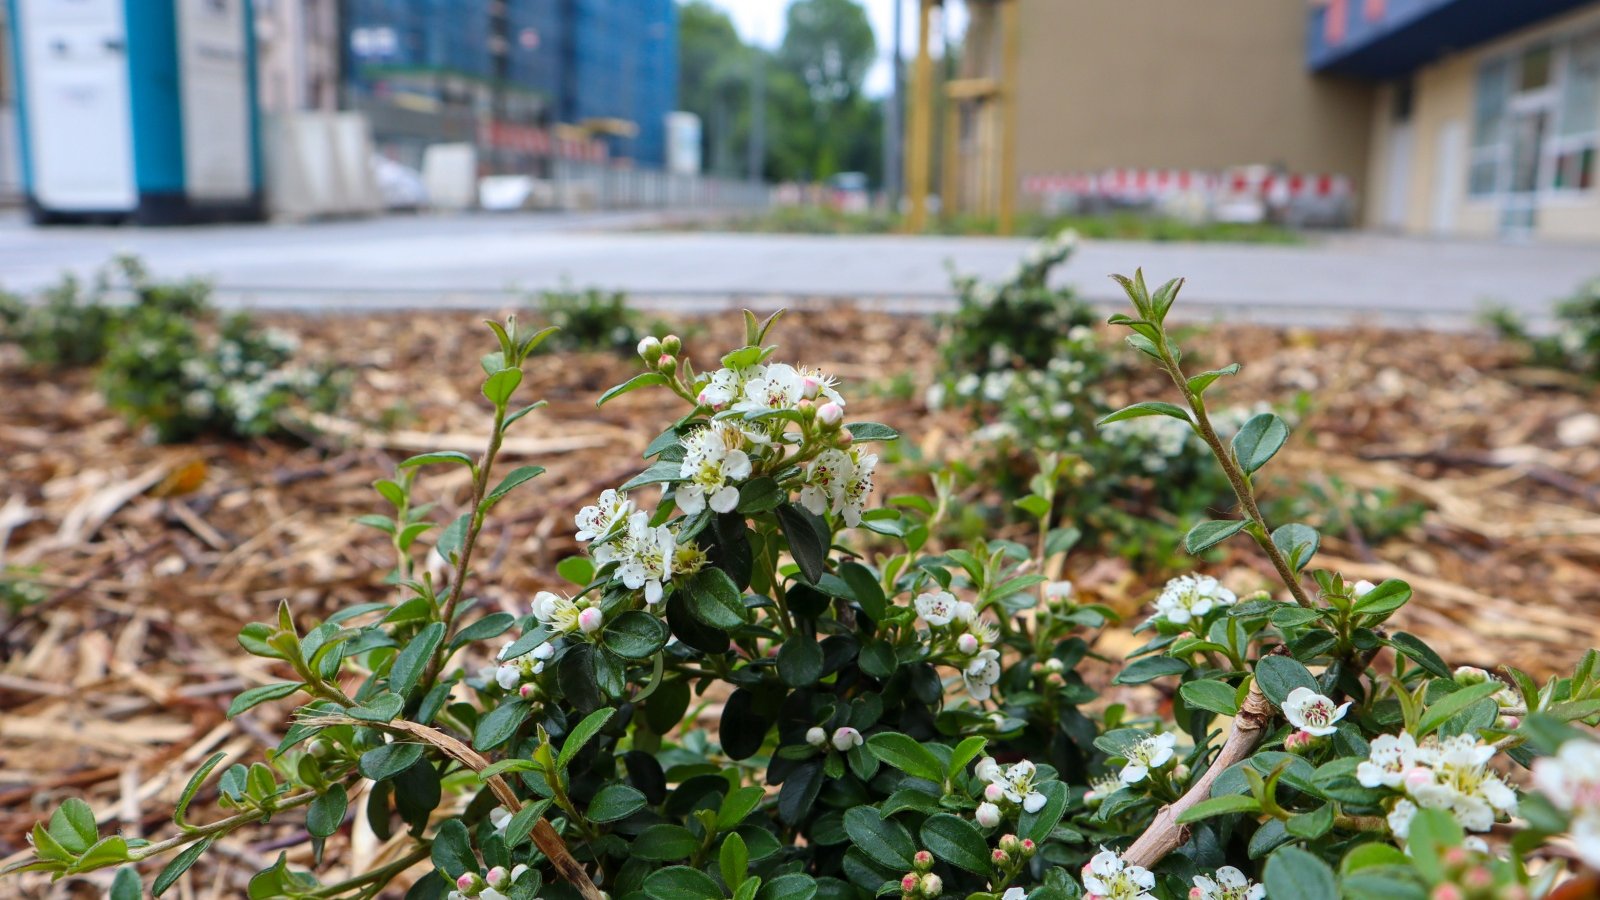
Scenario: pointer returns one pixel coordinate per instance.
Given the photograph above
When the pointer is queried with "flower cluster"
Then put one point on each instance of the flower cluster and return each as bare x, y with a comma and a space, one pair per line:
494, 885
1109, 878
1312, 713
714, 462
956, 622
839, 482
1571, 781
647, 556
1190, 597
1148, 755
1449, 773
1015, 786
1230, 884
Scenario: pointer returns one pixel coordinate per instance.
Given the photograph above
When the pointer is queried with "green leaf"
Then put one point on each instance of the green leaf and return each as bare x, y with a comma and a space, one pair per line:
582, 734
1227, 804
516, 477
680, 883
714, 600
500, 724
885, 842
454, 537
800, 661
1297, 542
1312, 825
1211, 695
1384, 598
193, 787
643, 379
615, 801
957, 842
1199, 383
382, 708
179, 865
1149, 669
1037, 825
388, 760
809, 549
1259, 440
1454, 702
660, 472
499, 387
259, 695
760, 495
664, 843
578, 570
326, 812
794, 886
1294, 874
126, 886
1278, 675
737, 805
1420, 653
968, 750
635, 635
1147, 408
1432, 831
455, 457
452, 849
868, 592
906, 754
73, 826
412, 661
871, 431
490, 626
1211, 532
733, 861
521, 824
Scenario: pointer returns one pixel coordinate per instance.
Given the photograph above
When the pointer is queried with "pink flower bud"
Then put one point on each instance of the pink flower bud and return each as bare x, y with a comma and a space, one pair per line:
498, 877
1195, 893
590, 620
844, 438
830, 414
993, 793
1447, 892
1299, 742
1510, 723
527, 691
666, 365
909, 883
967, 644
810, 386
1457, 856
846, 739
1028, 846
1000, 857
649, 348
1478, 878
1418, 776
988, 815
932, 885
923, 861
816, 737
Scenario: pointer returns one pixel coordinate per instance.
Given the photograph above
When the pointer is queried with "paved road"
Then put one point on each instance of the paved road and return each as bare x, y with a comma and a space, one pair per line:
483, 260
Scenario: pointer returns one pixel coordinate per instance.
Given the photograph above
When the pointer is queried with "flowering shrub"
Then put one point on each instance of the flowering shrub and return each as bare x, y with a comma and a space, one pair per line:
895, 718
1575, 343
72, 324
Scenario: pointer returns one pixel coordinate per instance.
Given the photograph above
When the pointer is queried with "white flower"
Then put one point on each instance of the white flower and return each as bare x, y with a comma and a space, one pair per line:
965, 612
712, 461
1571, 778
813, 383
1400, 818
932, 885
1230, 884
1312, 713
508, 676
1388, 758
982, 673
646, 556
936, 608
557, 613
590, 620
1109, 878
1361, 589
1152, 752
1585, 832
501, 817
856, 486
1101, 788
1058, 590
609, 511
988, 815
846, 739
725, 386
824, 488
988, 769
1017, 783
1015, 893
816, 737
1189, 597
775, 386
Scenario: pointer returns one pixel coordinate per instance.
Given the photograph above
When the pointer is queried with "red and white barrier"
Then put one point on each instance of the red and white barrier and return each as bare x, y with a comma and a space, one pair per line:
1156, 184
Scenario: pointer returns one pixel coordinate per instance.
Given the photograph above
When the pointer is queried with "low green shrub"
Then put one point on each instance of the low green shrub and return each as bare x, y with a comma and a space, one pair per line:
590, 319
1575, 344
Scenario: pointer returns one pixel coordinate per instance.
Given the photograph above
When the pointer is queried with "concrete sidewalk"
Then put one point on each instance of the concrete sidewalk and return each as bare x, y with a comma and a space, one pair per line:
489, 260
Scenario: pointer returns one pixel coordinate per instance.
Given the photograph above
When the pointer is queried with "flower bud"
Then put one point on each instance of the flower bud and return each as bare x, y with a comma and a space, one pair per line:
816, 737
1299, 742
844, 438
1509, 723
1028, 848
909, 883
810, 386
498, 878
1361, 589
923, 861
932, 885
988, 815
666, 365
993, 793
319, 748
967, 644
846, 739
1457, 857
1418, 776
999, 857
649, 349
470, 883
527, 691
830, 414
1447, 892
1478, 878
1467, 676
591, 619
672, 345
1195, 893
517, 871
1009, 843
1054, 665
1056, 679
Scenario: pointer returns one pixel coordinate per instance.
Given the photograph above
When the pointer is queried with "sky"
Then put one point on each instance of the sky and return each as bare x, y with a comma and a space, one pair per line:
761, 22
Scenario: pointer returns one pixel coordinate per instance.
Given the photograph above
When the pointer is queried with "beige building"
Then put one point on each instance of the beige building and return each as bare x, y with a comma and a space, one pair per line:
1451, 117
297, 55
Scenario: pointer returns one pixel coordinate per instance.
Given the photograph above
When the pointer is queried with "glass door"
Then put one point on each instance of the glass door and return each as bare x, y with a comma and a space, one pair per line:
1519, 213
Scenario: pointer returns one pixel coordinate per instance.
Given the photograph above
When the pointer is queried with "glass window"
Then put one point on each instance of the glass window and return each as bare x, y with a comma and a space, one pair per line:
1494, 88
1580, 87
1533, 69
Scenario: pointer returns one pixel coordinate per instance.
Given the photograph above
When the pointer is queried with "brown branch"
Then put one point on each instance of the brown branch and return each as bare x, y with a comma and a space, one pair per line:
544, 834
1165, 834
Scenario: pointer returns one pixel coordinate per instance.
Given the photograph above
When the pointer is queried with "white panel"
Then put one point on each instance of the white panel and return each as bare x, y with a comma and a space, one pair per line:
216, 99
80, 136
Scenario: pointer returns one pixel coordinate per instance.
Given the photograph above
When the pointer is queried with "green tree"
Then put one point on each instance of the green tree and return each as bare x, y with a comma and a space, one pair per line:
828, 45
713, 67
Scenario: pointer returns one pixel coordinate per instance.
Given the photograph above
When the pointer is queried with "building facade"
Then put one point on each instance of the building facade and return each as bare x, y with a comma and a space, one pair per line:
1487, 114
297, 55
525, 79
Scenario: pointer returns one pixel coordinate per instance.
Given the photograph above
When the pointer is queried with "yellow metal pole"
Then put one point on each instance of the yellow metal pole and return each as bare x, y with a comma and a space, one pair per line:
919, 144
949, 204
1008, 115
